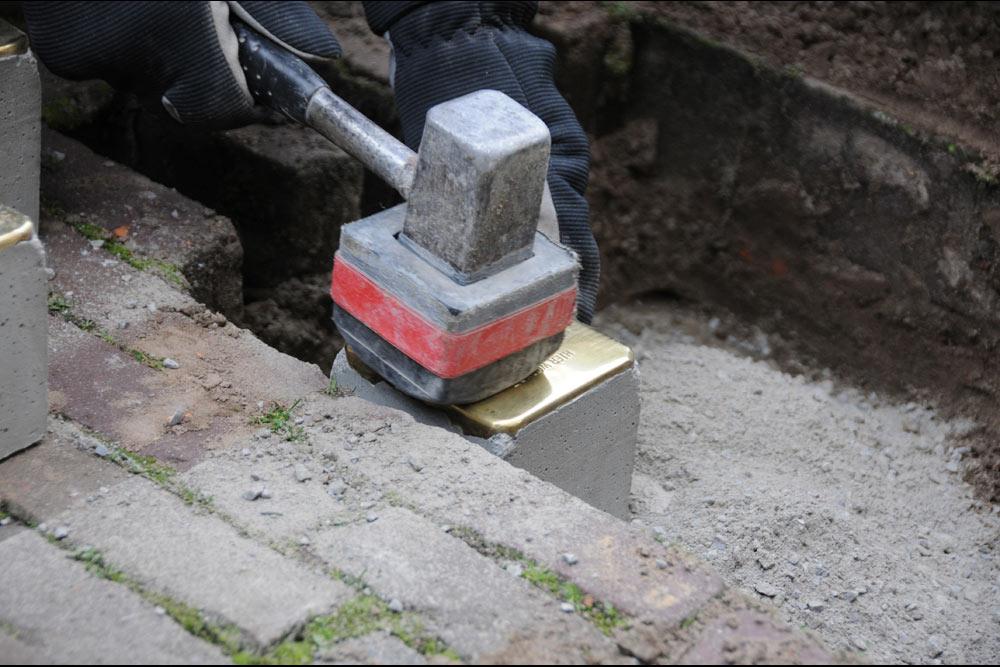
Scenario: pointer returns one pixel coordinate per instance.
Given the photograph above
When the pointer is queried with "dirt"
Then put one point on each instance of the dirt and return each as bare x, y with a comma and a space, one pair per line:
933, 63
845, 510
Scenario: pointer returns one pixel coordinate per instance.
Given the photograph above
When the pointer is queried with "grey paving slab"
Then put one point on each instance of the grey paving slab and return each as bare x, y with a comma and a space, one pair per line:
201, 560
478, 608
52, 610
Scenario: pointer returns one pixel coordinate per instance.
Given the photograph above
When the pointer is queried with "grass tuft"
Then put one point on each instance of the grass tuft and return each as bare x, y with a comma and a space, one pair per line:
279, 420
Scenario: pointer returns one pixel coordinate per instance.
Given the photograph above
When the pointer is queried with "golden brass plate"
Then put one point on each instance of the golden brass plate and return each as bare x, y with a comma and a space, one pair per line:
585, 359
14, 228
12, 41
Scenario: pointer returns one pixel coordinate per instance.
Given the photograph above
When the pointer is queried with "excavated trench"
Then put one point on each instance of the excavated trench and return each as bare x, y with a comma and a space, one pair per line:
809, 275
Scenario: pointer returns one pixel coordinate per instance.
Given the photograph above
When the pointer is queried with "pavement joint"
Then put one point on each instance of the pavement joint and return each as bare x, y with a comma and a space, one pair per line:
603, 615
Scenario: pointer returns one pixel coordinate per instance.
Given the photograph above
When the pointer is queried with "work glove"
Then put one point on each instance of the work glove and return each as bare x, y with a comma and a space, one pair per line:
183, 55
443, 50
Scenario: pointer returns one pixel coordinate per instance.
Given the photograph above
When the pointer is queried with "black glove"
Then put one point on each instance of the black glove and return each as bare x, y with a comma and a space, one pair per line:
444, 50
181, 54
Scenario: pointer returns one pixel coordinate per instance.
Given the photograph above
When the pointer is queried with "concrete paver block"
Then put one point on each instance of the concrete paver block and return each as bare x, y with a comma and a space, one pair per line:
377, 649
23, 353
20, 123
55, 474
203, 561
52, 610
479, 609
152, 221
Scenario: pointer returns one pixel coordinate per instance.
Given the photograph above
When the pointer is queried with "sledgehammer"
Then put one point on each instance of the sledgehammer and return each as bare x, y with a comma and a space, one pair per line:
454, 295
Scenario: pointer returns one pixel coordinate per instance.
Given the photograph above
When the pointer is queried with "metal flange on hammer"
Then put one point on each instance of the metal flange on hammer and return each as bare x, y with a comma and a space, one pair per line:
454, 295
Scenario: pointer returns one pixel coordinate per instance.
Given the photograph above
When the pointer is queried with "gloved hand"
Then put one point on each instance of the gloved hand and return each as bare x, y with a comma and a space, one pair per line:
444, 50
181, 54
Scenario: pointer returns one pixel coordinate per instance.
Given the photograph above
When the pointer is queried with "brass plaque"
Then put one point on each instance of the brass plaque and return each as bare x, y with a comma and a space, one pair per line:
585, 359
12, 41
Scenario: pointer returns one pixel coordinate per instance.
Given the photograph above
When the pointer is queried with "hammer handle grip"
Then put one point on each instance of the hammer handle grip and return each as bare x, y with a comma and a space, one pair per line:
279, 79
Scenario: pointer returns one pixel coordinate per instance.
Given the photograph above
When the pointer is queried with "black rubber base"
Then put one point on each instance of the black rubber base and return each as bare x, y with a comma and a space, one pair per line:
414, 380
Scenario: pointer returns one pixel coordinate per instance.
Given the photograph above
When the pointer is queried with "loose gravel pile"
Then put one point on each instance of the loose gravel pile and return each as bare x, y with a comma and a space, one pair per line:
844, 509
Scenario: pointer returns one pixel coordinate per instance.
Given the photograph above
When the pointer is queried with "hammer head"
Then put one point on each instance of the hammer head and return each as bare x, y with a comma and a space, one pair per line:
473, 209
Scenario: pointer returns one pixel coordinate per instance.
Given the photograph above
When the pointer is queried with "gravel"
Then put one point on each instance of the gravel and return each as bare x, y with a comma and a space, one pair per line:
844, 509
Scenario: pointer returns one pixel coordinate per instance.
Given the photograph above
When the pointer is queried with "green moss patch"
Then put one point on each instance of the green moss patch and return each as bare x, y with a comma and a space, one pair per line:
360, 616
602, 614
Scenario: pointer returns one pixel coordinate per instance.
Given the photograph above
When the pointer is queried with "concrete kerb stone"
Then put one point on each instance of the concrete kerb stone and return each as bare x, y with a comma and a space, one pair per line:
53, 611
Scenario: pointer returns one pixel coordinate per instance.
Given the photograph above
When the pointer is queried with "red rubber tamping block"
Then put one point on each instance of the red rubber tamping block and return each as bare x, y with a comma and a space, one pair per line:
444, 353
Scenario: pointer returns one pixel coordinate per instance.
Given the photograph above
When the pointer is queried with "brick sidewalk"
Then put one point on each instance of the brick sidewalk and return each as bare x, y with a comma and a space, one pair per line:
229, 505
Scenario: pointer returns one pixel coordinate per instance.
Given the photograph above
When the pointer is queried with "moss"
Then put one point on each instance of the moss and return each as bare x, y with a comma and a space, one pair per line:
62, 114
621, 11
602, 614
59, 305
360, 616
227, 637
158, 473
279, 420
166, 270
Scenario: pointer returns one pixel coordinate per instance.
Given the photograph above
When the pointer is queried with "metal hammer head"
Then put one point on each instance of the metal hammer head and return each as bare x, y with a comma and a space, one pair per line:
473, 209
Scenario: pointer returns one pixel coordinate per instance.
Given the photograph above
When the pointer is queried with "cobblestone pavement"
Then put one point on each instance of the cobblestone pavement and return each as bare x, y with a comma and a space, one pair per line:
202, 496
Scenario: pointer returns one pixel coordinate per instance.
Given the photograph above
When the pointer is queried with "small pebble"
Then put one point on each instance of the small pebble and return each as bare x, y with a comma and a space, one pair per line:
566, 608
177, 418
371, 517
60, 533
570, 559
766, 589
302, 473
101, 451
171, 364
395, 606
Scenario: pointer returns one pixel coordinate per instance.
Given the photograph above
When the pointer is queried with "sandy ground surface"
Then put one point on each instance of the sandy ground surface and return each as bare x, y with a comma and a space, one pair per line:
845, 509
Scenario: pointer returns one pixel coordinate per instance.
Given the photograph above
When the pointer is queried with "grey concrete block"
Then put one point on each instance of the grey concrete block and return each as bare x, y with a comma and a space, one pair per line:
20, 123
52, 611
586, 447
23, 324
